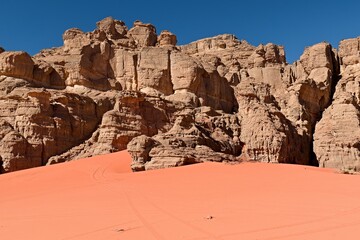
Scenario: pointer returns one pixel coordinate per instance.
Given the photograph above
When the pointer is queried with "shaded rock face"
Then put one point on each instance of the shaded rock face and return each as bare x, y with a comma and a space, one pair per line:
216, 99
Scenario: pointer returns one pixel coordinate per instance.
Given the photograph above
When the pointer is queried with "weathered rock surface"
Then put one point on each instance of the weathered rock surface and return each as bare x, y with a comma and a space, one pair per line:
197, 135
16, 64
279, 104
216, 99
143, 34
166, 38
131, 115
337, 135
43, 123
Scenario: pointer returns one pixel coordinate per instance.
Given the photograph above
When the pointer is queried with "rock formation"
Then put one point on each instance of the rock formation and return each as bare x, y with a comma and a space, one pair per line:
197, 135
216, 99
337, 135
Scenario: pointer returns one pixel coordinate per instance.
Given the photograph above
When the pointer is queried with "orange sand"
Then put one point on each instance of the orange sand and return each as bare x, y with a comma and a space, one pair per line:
99, 198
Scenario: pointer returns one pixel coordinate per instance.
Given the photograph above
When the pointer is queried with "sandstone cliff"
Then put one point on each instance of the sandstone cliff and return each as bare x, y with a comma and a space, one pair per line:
216, 99
337, 135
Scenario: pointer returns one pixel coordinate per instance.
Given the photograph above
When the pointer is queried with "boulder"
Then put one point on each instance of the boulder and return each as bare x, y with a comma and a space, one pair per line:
16, 64
166, 38
144, 34
349, 51
114, 29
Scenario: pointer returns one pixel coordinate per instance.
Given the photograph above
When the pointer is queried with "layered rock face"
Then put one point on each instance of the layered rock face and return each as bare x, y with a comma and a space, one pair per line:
216, 99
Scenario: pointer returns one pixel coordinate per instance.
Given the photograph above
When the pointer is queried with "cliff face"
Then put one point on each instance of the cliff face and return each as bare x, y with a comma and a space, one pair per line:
337, 135
216, 99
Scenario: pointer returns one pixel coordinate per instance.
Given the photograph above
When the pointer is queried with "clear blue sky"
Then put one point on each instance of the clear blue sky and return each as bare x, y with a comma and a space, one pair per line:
34, 25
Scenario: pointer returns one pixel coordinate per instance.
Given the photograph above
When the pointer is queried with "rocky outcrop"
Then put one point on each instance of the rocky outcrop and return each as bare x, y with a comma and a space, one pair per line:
197, 135
144, 34
166, 38
41, 123
216, 99
337, 135
131, 115
16, 64
279, 104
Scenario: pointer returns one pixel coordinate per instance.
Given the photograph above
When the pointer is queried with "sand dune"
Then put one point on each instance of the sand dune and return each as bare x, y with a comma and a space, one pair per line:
99, 198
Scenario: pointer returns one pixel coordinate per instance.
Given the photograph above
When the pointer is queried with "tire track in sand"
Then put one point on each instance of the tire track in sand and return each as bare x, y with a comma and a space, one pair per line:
99, 176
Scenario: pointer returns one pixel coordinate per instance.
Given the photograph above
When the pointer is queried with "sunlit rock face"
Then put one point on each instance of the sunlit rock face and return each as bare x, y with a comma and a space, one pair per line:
216, 99
337, 135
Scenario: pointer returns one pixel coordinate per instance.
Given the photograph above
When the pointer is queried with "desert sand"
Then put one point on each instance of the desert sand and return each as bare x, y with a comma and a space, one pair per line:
100, 198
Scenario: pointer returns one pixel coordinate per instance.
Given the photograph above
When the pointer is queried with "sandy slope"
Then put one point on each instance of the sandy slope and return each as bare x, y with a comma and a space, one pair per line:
99, 198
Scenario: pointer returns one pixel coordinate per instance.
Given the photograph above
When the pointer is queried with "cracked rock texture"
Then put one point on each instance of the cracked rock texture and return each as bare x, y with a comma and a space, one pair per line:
216, 99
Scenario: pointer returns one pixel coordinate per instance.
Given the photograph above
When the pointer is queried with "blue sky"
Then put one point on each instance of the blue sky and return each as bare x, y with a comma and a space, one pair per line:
34, 25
